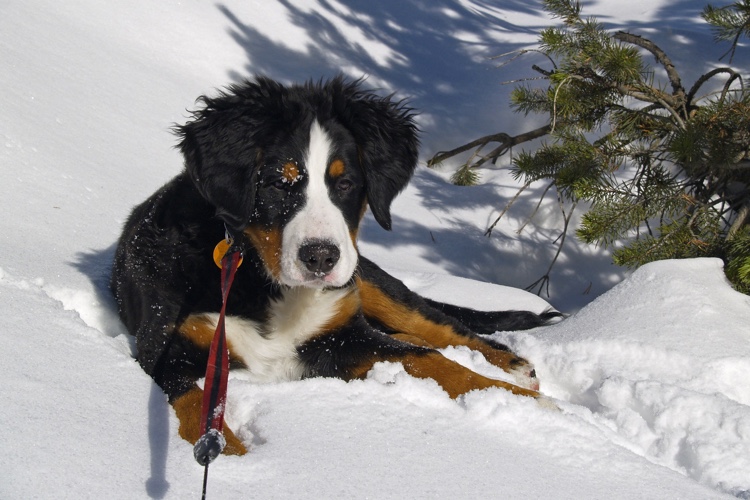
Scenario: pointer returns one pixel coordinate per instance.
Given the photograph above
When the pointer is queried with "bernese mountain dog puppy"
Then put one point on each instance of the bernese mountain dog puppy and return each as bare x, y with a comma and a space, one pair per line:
288, 172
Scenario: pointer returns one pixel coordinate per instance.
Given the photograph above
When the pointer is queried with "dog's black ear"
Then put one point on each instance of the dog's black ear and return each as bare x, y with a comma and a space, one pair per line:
388, 142
221, 145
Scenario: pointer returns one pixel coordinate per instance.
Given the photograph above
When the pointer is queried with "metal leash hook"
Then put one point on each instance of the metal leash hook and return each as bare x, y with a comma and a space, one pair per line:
212, 442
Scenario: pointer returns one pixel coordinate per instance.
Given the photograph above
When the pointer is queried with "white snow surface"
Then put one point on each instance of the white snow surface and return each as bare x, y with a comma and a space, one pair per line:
651, 376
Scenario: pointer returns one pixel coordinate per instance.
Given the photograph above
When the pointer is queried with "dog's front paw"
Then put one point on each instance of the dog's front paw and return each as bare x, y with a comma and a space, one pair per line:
524, 374
501, 356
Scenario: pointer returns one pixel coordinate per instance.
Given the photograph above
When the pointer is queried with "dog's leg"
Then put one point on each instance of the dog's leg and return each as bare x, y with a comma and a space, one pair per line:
522, 370
411, 339
186, 358
156, 277
454, 378
188, 407
176, 363
351, 350
390, 305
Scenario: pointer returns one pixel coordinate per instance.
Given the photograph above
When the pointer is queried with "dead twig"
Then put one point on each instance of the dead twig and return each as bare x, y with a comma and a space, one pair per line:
543, 282
506, 142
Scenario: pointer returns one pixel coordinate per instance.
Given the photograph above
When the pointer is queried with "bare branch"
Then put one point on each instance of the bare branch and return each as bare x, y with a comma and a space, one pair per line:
506, 142
674, 77
544, 280
541, 70
519, 53
526, 79
488, 232
733, 75
743, 216
536, 209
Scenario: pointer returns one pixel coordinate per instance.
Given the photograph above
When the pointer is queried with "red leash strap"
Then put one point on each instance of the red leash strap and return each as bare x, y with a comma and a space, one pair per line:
212, 442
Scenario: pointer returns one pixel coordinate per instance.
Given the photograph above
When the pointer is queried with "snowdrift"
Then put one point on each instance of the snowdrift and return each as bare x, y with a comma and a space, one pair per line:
650, 378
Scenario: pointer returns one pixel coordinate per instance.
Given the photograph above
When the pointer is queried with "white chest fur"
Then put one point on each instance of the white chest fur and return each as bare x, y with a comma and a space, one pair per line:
294, 318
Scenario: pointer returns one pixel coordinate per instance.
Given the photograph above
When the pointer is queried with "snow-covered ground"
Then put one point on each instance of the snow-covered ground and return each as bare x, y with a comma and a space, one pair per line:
651, 376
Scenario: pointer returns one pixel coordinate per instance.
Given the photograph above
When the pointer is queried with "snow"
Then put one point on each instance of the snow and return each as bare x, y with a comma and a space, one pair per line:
649, 371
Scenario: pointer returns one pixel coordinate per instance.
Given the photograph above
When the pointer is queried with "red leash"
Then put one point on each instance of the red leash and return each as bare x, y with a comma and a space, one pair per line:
212, 442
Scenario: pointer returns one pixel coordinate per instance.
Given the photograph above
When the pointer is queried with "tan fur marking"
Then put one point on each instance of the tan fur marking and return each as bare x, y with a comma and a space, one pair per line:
400, 318
453, 377
188, 410
354, 233
290, 172
336, 168
198, 330
360, 372
347, 307
411, 339
268, 244
502, 359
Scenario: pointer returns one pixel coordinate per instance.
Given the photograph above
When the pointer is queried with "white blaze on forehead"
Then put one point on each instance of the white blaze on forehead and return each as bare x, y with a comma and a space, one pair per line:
318, 220
318, 156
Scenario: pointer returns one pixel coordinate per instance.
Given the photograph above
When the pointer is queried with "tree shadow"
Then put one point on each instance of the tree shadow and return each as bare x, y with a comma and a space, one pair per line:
436, 54
503, 258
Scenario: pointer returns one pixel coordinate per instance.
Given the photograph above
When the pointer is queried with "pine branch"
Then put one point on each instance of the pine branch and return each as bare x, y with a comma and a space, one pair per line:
674, 77
666, 172
733, 46
729, 23
651, 95
506, 142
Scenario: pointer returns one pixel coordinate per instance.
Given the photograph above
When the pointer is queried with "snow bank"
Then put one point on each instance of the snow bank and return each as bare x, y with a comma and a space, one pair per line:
661, 363
649, 378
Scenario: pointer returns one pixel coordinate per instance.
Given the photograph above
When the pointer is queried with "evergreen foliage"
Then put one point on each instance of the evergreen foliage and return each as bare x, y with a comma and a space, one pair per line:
664, 169
729, 23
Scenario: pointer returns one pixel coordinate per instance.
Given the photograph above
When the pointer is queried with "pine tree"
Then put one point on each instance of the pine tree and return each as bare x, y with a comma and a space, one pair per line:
664, 170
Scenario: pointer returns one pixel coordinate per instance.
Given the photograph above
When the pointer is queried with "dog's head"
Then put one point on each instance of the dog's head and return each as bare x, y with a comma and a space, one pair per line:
295, 167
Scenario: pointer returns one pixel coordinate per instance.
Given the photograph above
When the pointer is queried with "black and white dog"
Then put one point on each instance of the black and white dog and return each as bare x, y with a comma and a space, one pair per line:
290, 171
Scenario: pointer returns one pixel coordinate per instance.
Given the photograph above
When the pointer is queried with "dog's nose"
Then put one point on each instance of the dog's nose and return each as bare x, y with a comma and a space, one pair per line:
319, 257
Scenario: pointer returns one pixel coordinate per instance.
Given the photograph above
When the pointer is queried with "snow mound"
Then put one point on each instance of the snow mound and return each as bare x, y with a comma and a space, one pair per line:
660, 364
649, 378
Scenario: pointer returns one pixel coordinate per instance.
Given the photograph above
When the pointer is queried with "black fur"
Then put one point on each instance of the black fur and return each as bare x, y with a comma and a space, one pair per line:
231, 136
233, 146
489, 322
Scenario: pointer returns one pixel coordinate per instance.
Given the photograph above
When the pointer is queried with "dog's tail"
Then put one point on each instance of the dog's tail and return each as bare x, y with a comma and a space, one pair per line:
488, 322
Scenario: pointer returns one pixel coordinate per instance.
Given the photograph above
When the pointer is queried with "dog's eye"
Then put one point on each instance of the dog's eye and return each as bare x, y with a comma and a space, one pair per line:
344, 185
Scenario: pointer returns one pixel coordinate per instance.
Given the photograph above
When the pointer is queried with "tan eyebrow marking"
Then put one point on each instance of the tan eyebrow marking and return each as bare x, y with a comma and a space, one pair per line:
290, 172
336, 169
